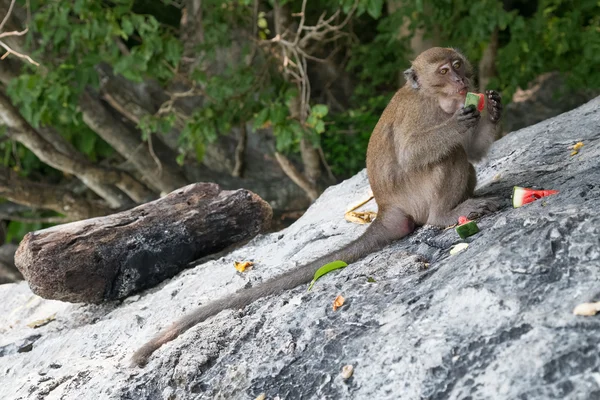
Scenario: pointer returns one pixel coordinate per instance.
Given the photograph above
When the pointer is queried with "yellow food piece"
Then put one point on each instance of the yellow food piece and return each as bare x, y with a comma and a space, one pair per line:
577, 146
241, 266
360, 217
338, 302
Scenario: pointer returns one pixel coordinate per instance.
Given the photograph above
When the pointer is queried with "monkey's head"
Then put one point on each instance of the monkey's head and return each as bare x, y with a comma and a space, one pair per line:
440, 71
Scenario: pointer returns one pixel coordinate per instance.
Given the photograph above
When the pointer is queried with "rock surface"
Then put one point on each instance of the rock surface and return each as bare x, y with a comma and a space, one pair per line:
493, 322
112, 257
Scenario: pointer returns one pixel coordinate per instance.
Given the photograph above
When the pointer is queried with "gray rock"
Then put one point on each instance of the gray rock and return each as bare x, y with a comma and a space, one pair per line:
493, 322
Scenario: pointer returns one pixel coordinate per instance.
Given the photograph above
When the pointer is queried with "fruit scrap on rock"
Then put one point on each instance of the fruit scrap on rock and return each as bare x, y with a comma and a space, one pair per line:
360, 217
338, 302
347, 371
576, 148
587, 309
458, 248
241, 266
466, 228
522, 196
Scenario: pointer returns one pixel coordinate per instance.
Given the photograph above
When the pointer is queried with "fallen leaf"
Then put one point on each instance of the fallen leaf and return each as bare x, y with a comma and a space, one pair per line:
42, 322
261, 396
325, 269
458, 248
371, 280
241, 266
360, 217
587, 309
338, 302
347, 371
497, 177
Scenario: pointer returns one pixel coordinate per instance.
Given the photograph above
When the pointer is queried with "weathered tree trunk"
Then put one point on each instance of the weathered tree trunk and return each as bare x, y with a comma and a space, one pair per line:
111, 257
487, 65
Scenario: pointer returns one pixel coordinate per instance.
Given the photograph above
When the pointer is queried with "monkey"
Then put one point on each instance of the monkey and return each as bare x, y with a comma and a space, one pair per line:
419, 165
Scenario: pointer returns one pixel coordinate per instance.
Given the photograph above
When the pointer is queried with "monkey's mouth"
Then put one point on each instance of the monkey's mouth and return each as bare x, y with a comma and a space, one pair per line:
463, 91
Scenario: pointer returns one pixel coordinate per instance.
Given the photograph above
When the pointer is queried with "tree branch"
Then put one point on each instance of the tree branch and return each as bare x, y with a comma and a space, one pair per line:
21, 131
51, 197
6, 47
296, 176
129, 145
240, 151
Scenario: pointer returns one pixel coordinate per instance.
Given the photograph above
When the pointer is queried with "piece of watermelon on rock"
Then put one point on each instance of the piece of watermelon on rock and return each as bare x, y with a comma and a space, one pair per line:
522, 196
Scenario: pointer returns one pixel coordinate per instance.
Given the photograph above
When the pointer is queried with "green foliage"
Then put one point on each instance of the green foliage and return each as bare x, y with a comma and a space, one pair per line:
242, 83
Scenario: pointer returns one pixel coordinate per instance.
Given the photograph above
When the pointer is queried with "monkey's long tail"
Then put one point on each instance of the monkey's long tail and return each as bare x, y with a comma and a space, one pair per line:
375, 237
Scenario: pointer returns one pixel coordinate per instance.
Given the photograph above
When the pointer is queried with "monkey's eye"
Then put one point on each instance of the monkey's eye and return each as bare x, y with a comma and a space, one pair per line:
444, 71
456, 64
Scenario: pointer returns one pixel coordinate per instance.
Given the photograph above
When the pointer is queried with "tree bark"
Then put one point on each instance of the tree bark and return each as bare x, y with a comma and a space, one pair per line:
50, 197
111, 257
487, 65
156, 174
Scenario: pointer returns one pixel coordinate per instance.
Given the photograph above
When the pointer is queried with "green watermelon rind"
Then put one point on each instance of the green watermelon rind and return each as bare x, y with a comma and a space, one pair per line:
518, 196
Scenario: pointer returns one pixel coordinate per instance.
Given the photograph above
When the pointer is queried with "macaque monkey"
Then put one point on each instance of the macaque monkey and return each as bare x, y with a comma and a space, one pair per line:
419, 167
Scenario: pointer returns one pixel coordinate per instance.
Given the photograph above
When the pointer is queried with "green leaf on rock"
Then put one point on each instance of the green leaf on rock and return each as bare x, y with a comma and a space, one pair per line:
327, 268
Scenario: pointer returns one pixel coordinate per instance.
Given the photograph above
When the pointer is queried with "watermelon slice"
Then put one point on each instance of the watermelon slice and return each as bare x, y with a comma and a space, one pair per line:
466, 227
522, 196
476, 99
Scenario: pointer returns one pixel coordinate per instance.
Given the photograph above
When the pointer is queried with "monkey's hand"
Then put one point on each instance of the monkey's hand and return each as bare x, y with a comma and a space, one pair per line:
494, 105
467, 117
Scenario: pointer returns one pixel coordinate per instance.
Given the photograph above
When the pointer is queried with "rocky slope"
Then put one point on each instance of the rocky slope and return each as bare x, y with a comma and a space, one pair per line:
493, 322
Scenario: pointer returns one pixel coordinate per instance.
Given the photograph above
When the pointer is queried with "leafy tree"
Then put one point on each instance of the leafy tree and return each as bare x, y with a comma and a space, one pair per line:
106, 104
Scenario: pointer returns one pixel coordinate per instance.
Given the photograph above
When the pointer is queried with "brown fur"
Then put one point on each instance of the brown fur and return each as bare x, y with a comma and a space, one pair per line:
418, 163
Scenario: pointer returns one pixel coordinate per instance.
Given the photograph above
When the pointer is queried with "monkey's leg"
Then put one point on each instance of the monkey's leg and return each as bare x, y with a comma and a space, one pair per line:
391, 224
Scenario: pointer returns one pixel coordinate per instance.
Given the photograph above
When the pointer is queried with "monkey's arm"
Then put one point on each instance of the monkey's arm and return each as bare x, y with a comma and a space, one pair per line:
426, 147
478, 142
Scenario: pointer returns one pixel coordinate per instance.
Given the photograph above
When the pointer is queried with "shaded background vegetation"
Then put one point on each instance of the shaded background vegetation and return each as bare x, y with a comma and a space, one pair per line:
134, 98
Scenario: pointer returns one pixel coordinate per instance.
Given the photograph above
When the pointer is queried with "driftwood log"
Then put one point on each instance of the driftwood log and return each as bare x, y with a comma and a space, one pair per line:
111, 257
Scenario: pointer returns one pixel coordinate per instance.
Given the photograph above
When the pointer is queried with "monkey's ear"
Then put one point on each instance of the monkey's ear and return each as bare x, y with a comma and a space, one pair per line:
411, 76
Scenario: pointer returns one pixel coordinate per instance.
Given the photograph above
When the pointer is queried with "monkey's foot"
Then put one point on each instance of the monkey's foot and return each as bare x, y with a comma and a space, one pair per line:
473, 208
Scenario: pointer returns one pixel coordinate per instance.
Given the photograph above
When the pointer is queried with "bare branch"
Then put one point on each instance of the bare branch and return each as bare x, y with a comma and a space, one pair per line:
297, 177
7, 16
13, 33
240, 152
154, 156
20, 55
